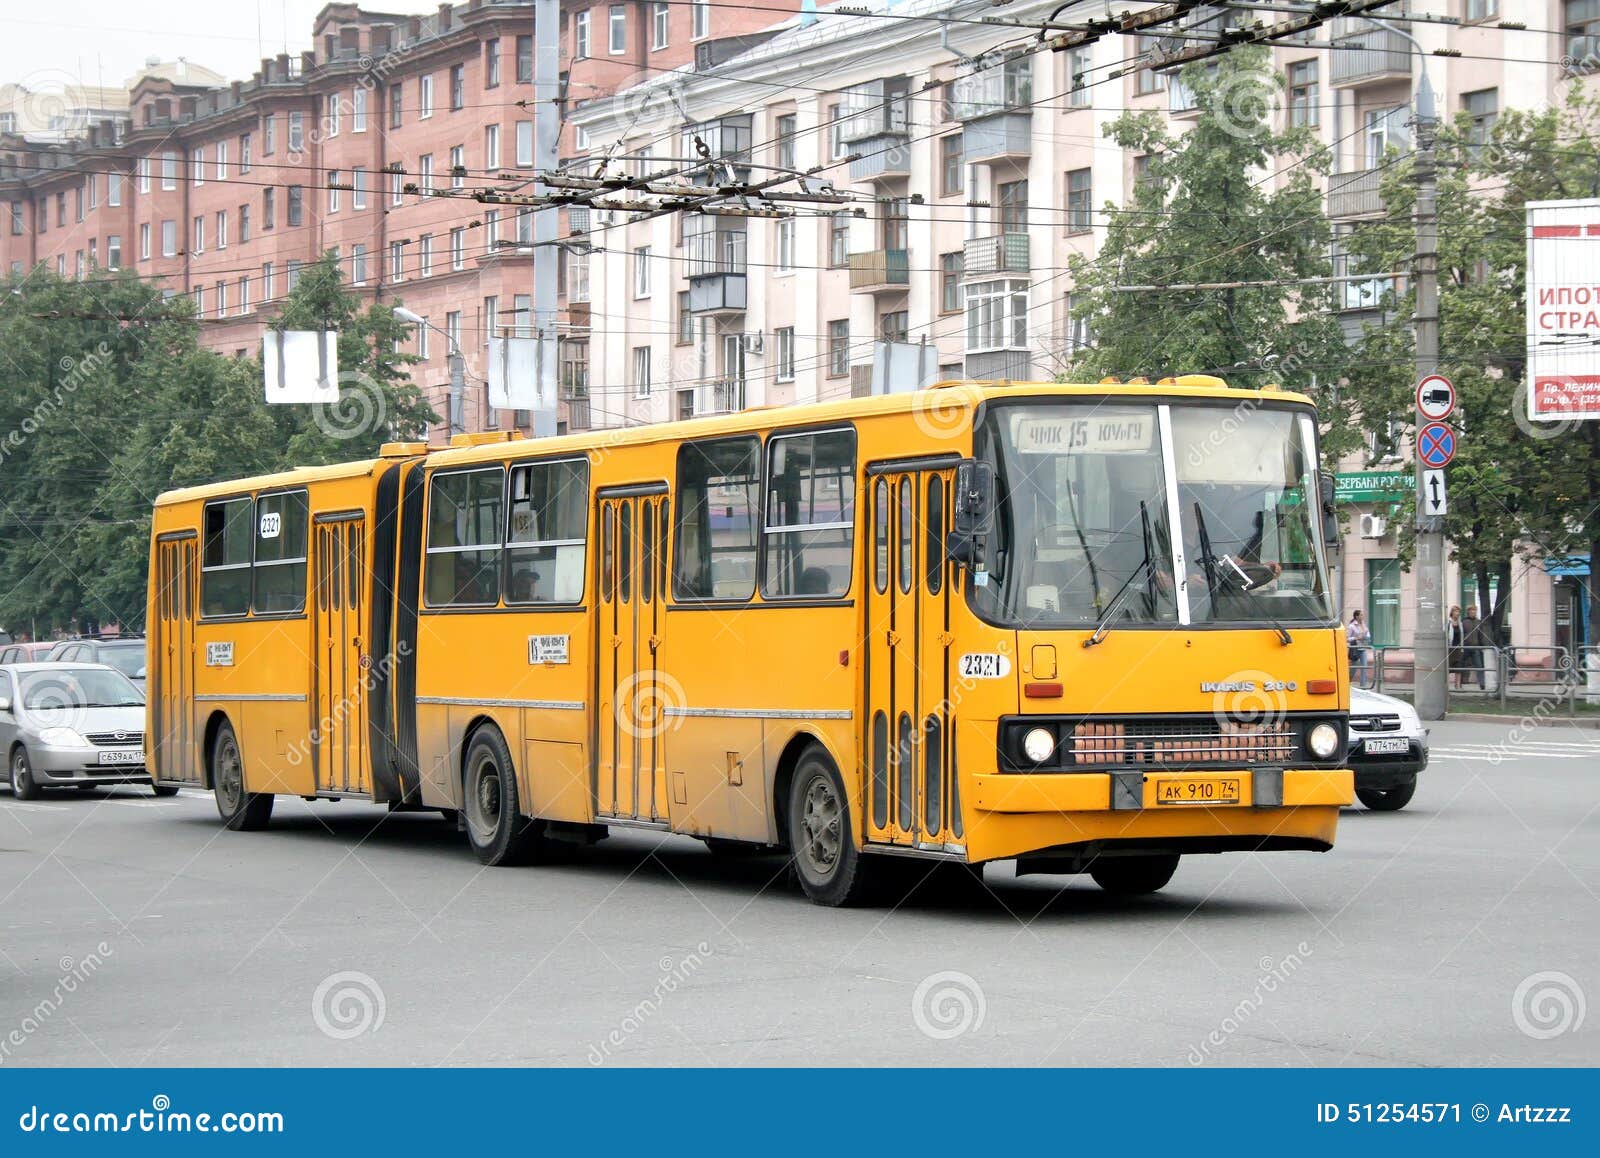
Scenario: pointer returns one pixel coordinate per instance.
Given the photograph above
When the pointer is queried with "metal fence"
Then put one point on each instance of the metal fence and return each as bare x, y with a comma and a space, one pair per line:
1492, 673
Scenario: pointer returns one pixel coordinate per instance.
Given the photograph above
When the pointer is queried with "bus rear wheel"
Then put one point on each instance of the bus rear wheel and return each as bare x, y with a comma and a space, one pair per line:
496, 829
1132, 876
832, 871
241, 811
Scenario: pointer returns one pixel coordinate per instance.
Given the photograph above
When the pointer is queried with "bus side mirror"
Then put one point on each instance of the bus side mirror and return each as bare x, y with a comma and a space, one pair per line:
974, 509
1330, 513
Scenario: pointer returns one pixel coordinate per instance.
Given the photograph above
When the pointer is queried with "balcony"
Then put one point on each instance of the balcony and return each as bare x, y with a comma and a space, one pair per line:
728, 140
996, 110
876, 128
716, 270
880, 270
578, 416
1003, 253
722, 397
1000, 366
1369, 56
1355, 194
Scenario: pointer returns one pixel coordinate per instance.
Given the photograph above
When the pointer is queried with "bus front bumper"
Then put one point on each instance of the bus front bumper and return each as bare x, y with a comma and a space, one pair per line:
1018, 813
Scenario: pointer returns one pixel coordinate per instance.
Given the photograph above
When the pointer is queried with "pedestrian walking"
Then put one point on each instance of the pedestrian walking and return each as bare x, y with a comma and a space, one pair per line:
1456, 639
1473, 637
1359, 638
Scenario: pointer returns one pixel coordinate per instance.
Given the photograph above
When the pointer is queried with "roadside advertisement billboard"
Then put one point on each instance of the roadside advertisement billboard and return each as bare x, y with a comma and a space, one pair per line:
1563, 331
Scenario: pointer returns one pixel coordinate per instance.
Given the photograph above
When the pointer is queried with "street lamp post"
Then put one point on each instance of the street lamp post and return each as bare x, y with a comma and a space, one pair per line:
456, 362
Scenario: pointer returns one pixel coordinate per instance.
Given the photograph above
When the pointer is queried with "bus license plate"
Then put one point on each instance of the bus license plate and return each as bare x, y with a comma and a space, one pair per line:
1387, 746
1198, 790
123, 756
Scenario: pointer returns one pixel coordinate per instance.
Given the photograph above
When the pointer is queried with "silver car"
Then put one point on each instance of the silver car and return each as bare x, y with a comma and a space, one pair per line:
71, 725
1388, 747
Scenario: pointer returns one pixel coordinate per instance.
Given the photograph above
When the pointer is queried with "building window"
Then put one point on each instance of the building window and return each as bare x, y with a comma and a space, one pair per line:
784, 336
425, 255
524, 60
397, 261
1080, 201
685, 320
658, 24
269, 135
169, 238
397, 103
839, 348
114, 189
524, 144
577, 277
422, 339
169, 170
997, 315
1078, 78
699, 19
269, 205
491, 230
522, 315
895, 223
1013, 203
425, 173
144, 241
785, 130
358, 264
1303, 98
458, 166
1385, 128
222, 229
333, 190
297, 132
291, 273
491, 318
266, 281
952, 166
641, 371
114, 251
950, 266
197, 167
491, 62
1077, 324
244, 152
838, 241
458, 248
458, 86
580, 36
786, 245
244, 223
641, 272
1383, 601
491, 147
397, 185
358, 110
295, 211
331, 121
836, 126
1483, 106
358, 187
617, 24
895, 326
198, 245
244, 295
424, 97
1148, 80
141, 173
1486, 9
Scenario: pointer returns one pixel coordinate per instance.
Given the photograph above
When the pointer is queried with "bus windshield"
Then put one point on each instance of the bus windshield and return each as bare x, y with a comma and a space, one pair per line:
1083, 525
1247, 496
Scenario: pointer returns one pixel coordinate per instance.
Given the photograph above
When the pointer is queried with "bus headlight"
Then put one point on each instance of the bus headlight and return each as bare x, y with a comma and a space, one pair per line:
1323, 740
1038, 745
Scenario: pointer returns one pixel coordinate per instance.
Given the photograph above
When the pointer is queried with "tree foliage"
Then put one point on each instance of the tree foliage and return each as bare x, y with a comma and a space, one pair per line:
108, 398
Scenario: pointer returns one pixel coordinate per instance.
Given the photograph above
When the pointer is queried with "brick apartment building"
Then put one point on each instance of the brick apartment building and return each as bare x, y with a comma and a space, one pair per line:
225, 192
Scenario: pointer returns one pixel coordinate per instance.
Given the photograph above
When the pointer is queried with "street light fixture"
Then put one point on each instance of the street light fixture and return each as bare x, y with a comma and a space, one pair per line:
454, 359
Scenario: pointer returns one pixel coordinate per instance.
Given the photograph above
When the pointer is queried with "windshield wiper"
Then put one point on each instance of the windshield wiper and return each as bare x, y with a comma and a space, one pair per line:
1144, 568
1245, 584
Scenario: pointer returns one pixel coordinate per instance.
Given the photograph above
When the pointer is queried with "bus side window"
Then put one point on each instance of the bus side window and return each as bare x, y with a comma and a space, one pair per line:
546, 532
715, 536
225, 558
809, 532
880, 535
464, 529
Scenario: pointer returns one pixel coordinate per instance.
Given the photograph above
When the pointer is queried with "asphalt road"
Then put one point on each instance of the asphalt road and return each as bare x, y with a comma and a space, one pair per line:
1464, 930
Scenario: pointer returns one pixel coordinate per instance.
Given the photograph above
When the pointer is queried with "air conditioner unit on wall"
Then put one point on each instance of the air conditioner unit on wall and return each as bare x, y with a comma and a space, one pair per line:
1374, 526
755, 343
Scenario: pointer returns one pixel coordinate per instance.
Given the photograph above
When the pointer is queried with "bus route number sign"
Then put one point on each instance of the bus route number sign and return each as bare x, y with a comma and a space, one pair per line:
547, 649
1107, 434
985, 665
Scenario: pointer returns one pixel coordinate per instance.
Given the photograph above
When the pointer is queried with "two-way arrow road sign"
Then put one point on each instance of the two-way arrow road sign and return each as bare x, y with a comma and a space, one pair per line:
1434, 501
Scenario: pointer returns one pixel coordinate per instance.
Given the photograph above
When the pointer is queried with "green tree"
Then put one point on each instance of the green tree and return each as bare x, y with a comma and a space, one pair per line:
1516, 488
1203, 211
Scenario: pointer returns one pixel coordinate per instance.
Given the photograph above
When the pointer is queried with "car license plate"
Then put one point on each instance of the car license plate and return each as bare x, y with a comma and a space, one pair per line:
122, 756
1198, 790
1387, 746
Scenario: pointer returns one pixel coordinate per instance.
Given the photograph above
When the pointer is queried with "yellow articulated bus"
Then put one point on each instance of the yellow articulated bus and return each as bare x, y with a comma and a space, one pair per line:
1085, 628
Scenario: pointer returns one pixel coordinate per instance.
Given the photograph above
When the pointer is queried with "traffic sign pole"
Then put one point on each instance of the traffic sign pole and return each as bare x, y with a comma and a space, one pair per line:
1431, 659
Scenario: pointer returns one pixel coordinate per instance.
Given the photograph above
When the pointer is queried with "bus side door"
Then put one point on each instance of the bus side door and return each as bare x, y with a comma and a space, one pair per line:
339, 723
171, 746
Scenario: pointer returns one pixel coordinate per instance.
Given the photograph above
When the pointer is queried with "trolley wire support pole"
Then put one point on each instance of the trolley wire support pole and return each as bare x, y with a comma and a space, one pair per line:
546, 258
1428, 642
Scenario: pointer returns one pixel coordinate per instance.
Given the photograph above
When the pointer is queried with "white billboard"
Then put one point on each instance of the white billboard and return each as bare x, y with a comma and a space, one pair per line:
1563, 310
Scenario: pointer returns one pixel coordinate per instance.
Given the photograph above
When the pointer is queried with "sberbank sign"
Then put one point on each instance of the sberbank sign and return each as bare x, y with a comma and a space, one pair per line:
1372, 486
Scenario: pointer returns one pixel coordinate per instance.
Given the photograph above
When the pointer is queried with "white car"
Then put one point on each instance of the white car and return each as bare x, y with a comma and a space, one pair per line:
1388, 747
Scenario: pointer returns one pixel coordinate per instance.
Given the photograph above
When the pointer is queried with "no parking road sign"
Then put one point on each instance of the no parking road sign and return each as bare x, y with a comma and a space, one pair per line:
1436, 444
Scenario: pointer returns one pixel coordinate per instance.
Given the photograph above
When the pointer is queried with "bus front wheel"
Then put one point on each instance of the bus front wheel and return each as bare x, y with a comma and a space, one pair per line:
831, 869
496, 829
1131, 876
240, 810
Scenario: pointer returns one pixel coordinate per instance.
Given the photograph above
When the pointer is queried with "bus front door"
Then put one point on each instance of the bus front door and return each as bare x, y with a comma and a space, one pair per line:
171, 682
339, 721
911, 786
630, 770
